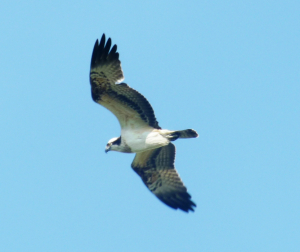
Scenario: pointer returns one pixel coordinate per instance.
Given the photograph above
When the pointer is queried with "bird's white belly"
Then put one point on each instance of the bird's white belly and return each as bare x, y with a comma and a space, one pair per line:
142, 141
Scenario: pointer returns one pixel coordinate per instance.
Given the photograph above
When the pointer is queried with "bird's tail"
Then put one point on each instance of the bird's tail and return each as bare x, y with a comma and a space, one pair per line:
188, 133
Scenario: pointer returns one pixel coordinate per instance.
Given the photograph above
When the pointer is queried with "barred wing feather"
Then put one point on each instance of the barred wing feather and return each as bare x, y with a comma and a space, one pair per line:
156, 169
129, 106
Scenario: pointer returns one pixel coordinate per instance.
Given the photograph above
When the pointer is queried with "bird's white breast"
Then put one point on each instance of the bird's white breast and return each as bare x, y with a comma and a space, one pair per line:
143, 139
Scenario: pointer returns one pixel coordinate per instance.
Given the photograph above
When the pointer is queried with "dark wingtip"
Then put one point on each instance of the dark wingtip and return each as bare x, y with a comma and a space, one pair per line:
103, 52
94, 55
185, 203
188, 206
102, 41
180, 201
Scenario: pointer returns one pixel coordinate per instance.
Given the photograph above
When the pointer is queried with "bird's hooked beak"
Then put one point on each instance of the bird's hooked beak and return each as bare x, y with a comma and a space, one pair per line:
107, 148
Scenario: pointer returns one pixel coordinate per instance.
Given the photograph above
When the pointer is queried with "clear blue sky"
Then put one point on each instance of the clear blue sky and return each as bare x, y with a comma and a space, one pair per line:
228, 69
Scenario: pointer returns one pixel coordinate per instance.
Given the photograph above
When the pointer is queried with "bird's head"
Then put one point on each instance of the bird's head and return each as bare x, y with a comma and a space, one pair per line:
113, 144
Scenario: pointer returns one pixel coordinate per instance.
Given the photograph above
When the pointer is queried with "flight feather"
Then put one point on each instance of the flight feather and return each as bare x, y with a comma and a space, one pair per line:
129, 106
157, 171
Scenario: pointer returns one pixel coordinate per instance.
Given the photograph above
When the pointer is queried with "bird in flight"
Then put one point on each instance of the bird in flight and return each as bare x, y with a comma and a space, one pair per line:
140, 132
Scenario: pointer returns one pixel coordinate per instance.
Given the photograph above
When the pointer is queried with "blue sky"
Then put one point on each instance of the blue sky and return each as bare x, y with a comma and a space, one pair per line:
228, 69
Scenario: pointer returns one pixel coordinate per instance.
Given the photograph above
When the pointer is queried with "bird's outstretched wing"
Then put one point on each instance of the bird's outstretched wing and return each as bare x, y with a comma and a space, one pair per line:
156, 168
130, 107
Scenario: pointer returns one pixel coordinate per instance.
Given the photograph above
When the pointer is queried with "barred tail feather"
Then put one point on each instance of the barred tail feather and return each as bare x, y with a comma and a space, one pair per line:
188, 133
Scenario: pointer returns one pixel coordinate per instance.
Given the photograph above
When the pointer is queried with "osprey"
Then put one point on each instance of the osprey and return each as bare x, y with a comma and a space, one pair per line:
140, 132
